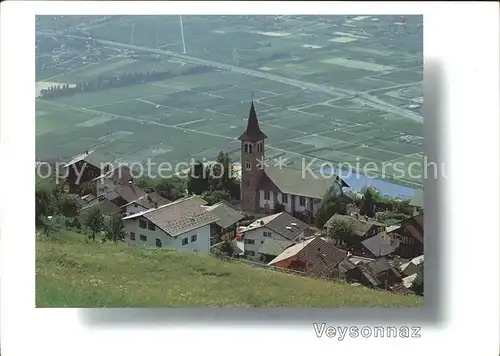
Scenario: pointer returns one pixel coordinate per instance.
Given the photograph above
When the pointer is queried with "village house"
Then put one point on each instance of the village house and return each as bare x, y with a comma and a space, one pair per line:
184, 224
282, 228
315, 256
226, 227
377, 273
113, 179
82, 169
411, 237
146, 202
380, 245
263, 185
412, 267
363, 228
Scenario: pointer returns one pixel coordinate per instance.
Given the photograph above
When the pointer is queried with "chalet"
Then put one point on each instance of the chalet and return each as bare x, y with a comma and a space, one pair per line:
412, 267
411, 237
380, 245
123, 195
113, 179
184, 224
281, 227
363, 228
315, 256
82, 169
376, 274
146, 202
226, 227
263, 185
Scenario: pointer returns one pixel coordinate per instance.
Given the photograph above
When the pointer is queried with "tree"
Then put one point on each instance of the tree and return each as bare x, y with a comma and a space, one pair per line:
332, 203
68, 207
95, 222
48, 227
87, 188
278, 207
171, 188
368, 203
44, 204
341, 231
226, 248
197, 181
216, 196
115, 229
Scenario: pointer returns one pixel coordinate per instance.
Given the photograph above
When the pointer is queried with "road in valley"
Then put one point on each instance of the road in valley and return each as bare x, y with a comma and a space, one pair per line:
360, 97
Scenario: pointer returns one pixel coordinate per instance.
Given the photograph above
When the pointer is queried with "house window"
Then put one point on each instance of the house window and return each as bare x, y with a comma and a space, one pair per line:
151, 226
285, 198
158, 243
185, 241
135, 205
262, 242
144, 238
194, 238
267, 195
302, 201
250, 253
275, 196
143, 224
266, 234
248, 166
249, 242
132, 236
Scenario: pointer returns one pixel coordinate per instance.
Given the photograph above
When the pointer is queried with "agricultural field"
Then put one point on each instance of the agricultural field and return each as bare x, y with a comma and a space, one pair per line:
330, 89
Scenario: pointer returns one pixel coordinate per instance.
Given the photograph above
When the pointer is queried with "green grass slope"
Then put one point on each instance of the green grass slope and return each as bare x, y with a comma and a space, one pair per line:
72, 273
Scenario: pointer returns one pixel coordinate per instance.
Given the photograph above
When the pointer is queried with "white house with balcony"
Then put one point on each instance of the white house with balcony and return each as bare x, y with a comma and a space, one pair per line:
267, 237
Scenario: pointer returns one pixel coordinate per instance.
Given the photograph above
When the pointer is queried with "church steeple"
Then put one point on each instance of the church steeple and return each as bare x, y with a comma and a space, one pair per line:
252, 132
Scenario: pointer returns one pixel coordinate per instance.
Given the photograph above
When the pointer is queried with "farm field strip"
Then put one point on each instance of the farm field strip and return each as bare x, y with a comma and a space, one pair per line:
293, 82
214, 134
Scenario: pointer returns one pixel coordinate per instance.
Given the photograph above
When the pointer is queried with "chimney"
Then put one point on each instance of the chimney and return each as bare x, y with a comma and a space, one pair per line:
155, 205
86, 152
261, 222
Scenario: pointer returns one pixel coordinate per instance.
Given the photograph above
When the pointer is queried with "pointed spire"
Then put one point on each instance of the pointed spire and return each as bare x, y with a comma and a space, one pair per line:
252, 132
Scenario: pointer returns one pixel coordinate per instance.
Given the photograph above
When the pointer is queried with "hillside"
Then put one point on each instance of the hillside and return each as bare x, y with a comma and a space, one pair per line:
72, 273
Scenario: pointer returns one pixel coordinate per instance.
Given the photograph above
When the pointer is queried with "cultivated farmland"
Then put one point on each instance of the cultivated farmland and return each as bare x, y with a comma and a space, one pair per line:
336, 89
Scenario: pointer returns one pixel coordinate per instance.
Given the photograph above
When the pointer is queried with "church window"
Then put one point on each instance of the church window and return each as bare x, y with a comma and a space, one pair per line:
248, 166
250, 148
245, 147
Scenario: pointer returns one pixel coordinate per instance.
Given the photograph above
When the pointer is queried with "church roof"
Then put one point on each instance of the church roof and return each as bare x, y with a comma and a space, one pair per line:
292, 181
252, 132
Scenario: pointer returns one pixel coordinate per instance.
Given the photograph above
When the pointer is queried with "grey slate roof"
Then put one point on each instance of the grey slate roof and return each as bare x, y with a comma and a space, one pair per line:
281, 223
226, 214
293, 181
379, 246
92, 157
180, 216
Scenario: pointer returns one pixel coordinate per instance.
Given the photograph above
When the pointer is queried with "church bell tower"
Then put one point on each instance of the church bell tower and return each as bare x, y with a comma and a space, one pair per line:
252, 158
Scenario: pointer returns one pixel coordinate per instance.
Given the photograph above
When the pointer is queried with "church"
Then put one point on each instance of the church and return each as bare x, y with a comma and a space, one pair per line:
264, 185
